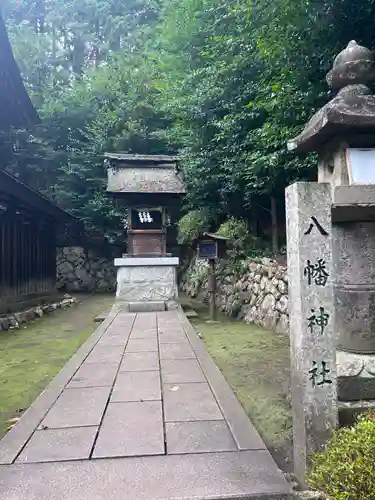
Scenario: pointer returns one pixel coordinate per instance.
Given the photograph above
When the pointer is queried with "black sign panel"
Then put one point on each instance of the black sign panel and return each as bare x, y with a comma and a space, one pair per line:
207, 249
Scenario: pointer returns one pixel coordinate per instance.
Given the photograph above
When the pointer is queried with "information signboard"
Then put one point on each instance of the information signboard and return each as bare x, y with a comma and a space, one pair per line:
207, 249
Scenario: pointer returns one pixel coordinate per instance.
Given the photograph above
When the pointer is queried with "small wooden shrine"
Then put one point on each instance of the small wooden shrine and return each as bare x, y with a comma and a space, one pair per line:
149, 189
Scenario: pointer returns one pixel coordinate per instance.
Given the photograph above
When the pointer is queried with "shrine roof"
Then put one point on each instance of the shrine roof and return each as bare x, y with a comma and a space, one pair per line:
16, 108
142, 159
143, 174
12, 188
215, 236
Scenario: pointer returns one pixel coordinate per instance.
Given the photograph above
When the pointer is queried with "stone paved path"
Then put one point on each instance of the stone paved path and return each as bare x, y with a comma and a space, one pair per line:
140, 412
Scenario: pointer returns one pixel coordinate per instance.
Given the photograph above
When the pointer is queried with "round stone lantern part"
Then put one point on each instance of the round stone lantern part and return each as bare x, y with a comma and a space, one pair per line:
353, 65
353, 52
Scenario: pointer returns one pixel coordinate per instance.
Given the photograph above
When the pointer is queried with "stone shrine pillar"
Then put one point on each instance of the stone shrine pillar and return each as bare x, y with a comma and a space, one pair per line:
146, 187
343, 134
311, 309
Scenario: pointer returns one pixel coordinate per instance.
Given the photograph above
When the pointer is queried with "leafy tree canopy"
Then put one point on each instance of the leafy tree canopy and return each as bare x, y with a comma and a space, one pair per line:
223, 83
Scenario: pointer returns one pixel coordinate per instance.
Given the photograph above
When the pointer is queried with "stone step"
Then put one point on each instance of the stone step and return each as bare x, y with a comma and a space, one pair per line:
245, 475
191, 313
149, 306
101, 317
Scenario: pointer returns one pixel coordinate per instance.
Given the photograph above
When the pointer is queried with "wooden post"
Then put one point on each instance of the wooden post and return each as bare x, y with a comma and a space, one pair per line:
212, 289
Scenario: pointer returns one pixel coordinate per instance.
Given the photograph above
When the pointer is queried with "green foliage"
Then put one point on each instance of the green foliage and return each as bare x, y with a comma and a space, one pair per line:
230, 267
78, 63
192, 225
224, 83
240, 241
345, 470
199, 275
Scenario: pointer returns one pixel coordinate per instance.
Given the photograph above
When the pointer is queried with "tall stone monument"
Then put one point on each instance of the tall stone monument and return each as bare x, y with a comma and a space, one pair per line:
147, 187
311, 319
343, 135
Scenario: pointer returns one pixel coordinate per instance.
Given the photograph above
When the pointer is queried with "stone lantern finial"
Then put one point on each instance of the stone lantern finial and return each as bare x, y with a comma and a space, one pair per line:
352, 110
354, 65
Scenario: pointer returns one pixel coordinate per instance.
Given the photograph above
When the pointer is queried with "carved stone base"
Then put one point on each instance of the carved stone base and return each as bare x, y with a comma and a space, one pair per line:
146, 279
355, 376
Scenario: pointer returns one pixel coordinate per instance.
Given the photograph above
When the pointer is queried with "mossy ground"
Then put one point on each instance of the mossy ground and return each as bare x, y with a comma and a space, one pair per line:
31, 356
255, 363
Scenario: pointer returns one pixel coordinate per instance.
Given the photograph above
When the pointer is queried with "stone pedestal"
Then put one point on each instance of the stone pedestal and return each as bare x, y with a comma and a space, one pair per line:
311, 309
354, 265
146, 279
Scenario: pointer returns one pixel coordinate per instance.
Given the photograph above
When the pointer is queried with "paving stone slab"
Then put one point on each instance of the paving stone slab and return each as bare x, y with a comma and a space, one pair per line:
147, 328
131, 429
13, 442
118, 334
145, 320
144, 333
167, 316
120, 328
113, 340
137, 386
94, 375
119, 331
181, 350
172, 337
142, 345
125, 318
242, 475
140, 361
105, 354
54, 445
78, 408
189, 402
199, 437
181, 371
146, 317
243, 431
169, 328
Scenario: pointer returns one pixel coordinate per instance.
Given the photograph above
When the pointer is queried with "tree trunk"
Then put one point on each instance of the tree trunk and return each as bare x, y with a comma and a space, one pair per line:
275, 239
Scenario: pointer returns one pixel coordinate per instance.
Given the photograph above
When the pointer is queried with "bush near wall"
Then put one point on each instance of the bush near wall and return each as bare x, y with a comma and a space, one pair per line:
345, 470
254, 290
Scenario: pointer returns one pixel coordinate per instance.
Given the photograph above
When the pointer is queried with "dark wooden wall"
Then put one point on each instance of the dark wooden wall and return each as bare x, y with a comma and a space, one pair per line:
27, 256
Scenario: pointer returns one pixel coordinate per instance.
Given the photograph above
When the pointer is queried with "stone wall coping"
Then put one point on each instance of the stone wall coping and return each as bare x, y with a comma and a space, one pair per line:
146, 261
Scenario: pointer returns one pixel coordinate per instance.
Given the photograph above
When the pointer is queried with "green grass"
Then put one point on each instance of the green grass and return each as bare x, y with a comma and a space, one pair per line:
31, 356
255, 363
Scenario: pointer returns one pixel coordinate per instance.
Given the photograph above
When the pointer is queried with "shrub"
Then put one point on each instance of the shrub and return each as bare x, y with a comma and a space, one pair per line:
240, 242
192, 225
345, 470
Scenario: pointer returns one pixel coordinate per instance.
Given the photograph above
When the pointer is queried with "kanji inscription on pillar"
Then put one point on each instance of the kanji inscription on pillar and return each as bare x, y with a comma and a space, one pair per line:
311, 309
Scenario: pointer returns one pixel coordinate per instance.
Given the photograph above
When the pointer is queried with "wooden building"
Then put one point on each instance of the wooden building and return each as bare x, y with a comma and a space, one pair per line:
28, 221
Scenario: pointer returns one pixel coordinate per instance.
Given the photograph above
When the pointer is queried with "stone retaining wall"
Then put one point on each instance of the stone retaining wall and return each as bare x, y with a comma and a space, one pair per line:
84, 271
14, 320
254, 290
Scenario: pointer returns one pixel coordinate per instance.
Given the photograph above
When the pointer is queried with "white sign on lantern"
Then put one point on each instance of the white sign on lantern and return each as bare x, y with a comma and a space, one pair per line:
361, 165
